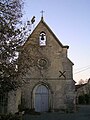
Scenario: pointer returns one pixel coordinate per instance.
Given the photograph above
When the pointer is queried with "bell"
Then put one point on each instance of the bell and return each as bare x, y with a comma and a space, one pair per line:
42, 37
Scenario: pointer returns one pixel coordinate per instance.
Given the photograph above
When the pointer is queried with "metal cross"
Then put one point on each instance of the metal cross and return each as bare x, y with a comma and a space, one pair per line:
62, 74
42, 13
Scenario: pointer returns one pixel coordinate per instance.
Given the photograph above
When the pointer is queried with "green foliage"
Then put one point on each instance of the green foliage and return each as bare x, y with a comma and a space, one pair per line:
8, 84
10, 117
10, 12
83, 99
12, 35
10, 39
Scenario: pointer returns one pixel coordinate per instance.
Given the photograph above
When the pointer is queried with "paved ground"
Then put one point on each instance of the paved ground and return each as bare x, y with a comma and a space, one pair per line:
83, 113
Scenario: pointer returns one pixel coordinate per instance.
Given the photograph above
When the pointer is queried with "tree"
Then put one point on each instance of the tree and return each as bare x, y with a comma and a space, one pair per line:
81, 81
11, 36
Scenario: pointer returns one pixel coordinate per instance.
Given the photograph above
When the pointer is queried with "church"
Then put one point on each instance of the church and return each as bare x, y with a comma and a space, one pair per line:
46, 73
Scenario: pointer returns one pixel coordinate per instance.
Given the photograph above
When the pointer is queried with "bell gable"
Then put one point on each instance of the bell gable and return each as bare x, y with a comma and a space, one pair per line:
42, 35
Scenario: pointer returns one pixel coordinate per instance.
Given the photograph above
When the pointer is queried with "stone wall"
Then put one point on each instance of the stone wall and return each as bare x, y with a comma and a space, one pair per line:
14, 99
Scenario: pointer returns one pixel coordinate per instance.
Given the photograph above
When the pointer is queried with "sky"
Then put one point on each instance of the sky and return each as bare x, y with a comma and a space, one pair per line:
70, 22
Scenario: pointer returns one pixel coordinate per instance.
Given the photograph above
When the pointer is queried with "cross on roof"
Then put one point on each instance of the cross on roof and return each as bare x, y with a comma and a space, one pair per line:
42, 13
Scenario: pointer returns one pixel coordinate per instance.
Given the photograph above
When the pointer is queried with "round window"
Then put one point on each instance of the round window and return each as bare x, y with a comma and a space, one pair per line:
42, 63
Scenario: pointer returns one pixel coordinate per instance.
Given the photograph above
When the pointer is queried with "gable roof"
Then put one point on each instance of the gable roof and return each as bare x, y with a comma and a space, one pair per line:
44, 23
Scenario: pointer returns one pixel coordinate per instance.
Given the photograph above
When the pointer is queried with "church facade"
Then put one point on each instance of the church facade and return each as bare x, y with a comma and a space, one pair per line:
46, 72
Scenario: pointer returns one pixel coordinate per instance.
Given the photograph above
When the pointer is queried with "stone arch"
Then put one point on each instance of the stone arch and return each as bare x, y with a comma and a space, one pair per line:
46, 94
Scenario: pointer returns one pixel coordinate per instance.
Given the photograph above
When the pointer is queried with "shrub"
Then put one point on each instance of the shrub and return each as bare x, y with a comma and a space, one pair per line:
10, 117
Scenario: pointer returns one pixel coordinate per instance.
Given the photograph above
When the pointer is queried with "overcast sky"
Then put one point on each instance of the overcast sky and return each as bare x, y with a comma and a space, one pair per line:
70, 21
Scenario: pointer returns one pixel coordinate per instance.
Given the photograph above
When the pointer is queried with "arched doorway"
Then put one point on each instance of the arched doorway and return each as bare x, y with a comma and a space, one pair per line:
41, 99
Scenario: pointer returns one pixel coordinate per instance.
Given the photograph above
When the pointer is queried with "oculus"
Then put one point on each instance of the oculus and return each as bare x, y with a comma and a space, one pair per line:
42, 63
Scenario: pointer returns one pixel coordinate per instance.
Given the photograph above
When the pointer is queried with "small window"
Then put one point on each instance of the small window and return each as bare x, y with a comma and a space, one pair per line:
42, 39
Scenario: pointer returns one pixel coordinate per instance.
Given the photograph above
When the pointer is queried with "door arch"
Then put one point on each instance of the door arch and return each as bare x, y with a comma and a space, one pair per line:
41, 99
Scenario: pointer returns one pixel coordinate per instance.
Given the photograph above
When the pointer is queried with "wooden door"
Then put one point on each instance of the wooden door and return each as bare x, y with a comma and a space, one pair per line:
41, 99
